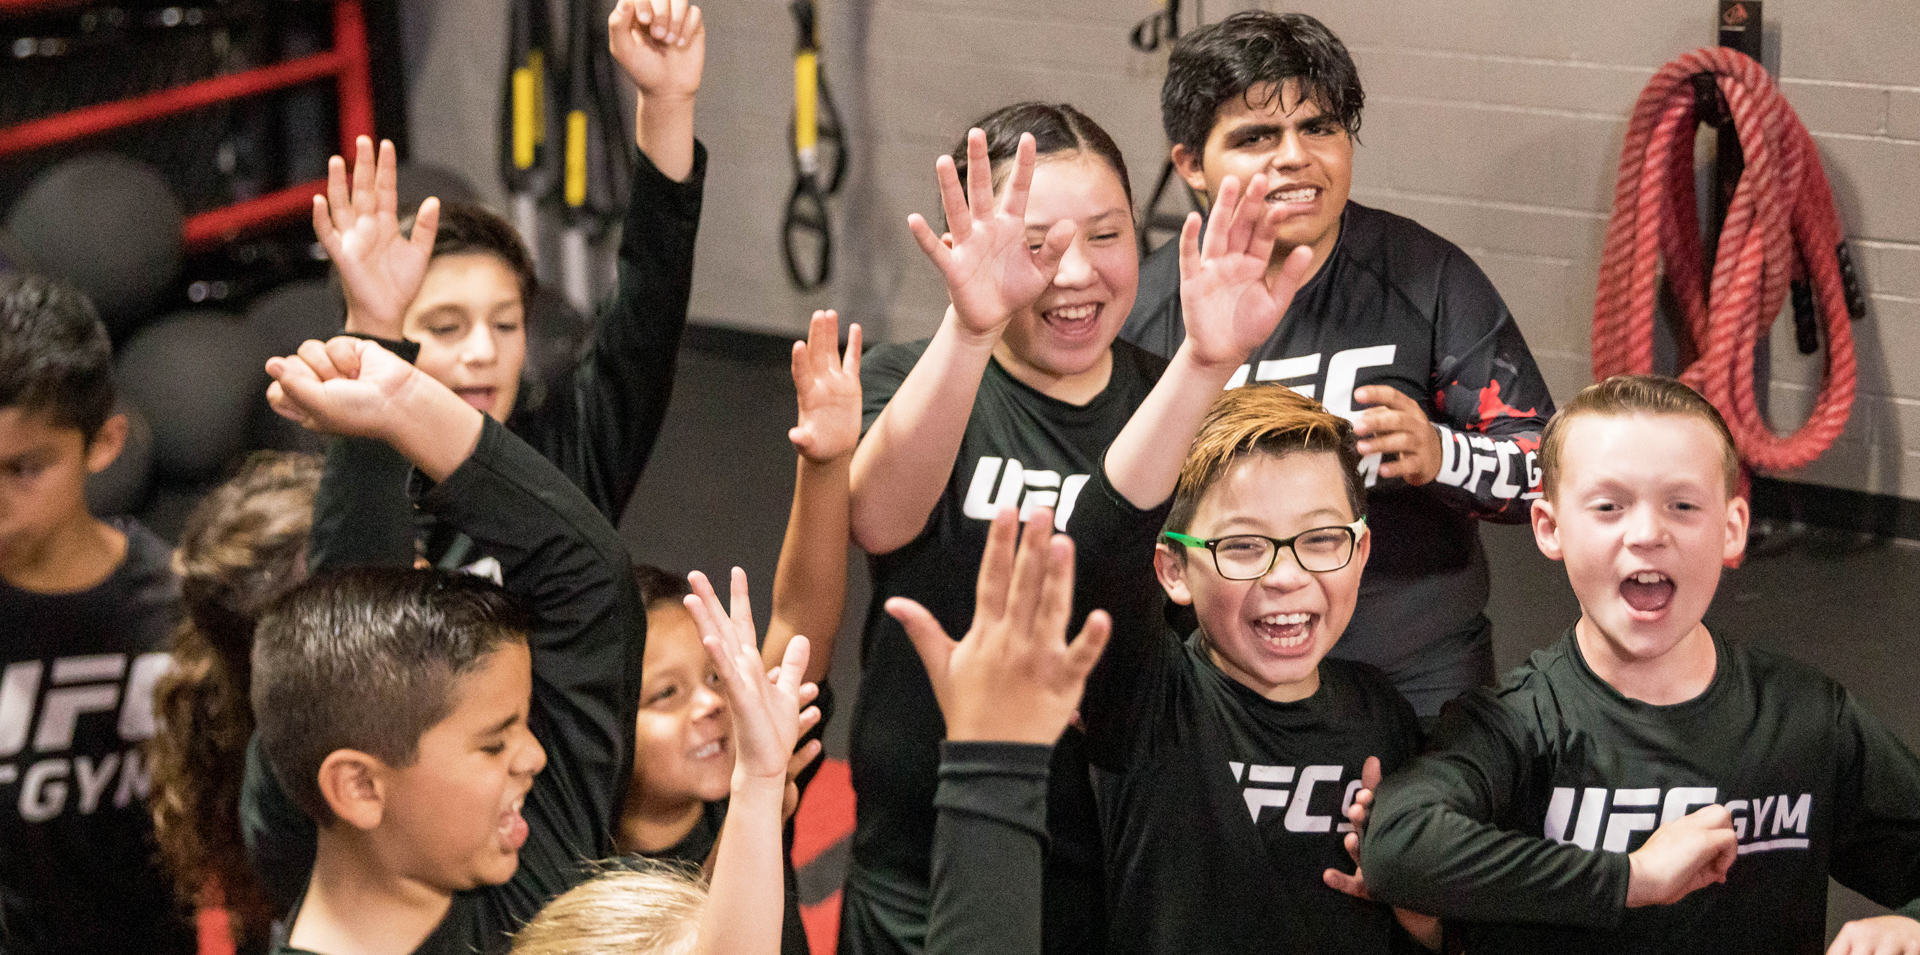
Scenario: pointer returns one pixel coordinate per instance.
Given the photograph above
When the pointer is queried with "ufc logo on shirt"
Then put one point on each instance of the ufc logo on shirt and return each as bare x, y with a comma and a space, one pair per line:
999, 482
1759, 825
1291, 788
42, 702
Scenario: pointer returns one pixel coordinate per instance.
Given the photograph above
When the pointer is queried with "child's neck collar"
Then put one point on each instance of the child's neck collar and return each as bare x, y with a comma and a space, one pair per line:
1682, 673
80, 555
355, 906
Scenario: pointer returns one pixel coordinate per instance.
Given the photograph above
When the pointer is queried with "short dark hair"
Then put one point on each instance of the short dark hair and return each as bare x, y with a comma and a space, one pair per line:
366, 659
467, 228
658, 586
1056, 128
1263, 419
1231, 58
55, 356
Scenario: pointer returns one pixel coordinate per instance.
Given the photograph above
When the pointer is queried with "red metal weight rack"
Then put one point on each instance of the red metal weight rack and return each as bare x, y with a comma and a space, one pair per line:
346, 65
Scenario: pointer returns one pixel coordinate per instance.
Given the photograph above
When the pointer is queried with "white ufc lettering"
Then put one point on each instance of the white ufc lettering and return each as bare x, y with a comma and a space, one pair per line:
995, 486
1621, 813
1263, 792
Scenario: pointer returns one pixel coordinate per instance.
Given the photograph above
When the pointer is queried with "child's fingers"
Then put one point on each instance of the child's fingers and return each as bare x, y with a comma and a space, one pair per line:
953, 200
386, 182
1223, 206
1350, 884
339, 200
996, 567
850, 364
1053, 248
740, 610
1056, 592
1029, 575
804, 756
692, 27
1019, 184
343, 352
793, 666
979, 181
426, 225
708, 615
1190, 247
1084, 653
929, 243
283, 406
364, 167
823, 339
1252, 207
1370, 773
929, 639
314, 353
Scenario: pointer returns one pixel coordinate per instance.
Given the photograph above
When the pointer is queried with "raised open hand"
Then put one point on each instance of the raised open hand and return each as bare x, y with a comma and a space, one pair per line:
1227, 299
828, 386
359, 226
991, 265
765, 705
1014, 677
662, 44
345, 386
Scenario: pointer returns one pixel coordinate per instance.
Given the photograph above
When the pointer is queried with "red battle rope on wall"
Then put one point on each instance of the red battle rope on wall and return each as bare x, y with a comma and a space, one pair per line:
1781, 225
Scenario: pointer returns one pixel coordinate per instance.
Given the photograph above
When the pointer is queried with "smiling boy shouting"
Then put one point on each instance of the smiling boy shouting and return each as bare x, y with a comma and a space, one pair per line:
1645, 785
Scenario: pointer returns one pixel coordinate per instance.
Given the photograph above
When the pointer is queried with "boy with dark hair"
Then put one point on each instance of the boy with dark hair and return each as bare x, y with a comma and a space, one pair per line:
88, 605
411, 713
1225, 760
1395, 329
1645, 785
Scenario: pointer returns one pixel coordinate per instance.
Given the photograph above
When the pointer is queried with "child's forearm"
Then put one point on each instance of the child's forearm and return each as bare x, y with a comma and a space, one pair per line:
663, 129
432, 427
747, 899
903, 463
1144, 462
810, 585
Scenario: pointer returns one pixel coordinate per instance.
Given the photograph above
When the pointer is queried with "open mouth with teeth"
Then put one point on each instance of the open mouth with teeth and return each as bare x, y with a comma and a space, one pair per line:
512, 829
1294, 195
714, 748
1074, 321
1648, 591
1286, 634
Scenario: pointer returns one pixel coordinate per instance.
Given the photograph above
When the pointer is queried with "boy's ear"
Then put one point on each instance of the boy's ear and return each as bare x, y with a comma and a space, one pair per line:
1546, 529
107, 444
1187, 163
1739, 517
1171, 568
1363, 547
354, 785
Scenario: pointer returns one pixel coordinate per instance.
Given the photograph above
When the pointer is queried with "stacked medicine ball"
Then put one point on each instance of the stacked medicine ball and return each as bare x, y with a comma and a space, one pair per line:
193, 381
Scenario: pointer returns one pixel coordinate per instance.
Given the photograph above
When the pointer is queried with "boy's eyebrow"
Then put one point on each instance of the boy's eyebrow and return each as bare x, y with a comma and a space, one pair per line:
502, 726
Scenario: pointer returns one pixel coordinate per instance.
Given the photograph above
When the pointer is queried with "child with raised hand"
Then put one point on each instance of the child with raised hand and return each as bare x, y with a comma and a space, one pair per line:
1646, 785
656, 910
411, 713
1225, 760
1010, 402
453, 296
88, 604
1007, 690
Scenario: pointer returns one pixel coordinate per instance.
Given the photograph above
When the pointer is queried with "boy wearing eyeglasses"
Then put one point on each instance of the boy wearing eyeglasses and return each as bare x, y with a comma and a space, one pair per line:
1225, 761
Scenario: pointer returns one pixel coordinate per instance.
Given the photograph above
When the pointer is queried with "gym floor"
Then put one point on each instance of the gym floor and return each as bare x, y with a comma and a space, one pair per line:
718, 488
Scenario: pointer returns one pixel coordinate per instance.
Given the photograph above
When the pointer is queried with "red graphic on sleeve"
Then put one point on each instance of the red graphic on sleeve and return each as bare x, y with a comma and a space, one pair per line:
1491, 405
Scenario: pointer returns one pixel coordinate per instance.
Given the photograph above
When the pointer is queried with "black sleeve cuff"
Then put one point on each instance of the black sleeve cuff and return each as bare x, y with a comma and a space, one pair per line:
407, 350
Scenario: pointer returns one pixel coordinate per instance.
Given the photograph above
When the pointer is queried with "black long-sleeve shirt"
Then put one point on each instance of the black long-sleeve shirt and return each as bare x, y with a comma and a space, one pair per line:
1221, 808
1517, 821
598, 426
559, 555
1394, 304
988, 845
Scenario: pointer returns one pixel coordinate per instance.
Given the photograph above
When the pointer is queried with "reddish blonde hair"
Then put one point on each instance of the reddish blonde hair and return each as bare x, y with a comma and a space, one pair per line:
1263, 419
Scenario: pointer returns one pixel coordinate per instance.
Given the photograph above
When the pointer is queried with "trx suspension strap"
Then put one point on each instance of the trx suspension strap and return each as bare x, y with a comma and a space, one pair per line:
806, 240
525, 163
599, 160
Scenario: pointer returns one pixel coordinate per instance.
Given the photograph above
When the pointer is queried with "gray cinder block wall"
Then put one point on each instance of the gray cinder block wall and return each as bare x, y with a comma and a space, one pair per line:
1497, 123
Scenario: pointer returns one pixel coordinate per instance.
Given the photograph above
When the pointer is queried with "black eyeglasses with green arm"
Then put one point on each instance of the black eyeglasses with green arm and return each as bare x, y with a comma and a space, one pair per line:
1252, 556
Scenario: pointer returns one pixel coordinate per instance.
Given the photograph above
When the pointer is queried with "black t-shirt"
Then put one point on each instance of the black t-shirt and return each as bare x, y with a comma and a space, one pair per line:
1221, 808
1020, 447
79, 870
568, 565
1397, 305
1526, 803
